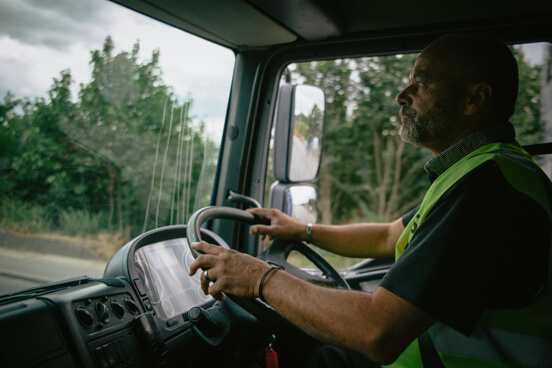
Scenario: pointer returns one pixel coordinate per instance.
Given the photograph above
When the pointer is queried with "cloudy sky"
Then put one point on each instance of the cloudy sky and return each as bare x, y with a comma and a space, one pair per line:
40, 38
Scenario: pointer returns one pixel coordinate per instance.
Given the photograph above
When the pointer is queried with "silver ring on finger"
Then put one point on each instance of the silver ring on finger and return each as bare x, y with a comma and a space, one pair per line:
206, 275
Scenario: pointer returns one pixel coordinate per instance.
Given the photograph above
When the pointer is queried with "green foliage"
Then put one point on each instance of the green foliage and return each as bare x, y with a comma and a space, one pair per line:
79, 164
9, 140
80, 222
22, 216
125, 155
526, 118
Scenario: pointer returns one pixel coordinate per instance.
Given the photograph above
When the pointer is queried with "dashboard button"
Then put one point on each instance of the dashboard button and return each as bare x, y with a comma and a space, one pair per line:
85, 317
102, 312
172, 322
117, 308
131, 305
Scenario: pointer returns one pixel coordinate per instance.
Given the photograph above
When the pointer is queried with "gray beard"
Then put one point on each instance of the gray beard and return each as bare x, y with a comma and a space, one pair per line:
425, 128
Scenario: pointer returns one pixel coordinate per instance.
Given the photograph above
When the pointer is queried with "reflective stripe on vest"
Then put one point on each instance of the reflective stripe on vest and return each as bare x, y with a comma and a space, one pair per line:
510, 338
490, 344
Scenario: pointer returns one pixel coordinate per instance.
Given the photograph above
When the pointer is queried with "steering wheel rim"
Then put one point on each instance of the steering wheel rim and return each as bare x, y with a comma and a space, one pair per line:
193, 230
277, 252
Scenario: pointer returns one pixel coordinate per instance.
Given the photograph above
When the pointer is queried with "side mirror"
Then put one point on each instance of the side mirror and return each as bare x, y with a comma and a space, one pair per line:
297, 201
299, 133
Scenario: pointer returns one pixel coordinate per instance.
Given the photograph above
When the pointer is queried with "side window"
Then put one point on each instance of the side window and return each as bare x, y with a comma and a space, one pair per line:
546, 104
110, 125
368, 173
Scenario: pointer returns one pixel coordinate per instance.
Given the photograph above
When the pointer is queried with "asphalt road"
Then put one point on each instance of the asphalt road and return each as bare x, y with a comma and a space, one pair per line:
23, 269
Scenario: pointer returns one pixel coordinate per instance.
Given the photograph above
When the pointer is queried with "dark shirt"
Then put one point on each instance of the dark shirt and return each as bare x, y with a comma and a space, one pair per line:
483, 246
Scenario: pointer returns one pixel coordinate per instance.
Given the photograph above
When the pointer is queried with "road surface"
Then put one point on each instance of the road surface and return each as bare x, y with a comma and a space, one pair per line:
23, 269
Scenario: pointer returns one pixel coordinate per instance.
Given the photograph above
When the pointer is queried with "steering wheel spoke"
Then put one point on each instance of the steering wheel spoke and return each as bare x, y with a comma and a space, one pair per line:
278, 252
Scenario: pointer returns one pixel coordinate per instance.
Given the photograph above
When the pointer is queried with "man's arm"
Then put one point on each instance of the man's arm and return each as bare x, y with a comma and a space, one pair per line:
370, 240
379, 325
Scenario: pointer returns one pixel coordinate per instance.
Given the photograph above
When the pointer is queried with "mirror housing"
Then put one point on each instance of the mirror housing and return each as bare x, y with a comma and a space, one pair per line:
299, 133
299, 201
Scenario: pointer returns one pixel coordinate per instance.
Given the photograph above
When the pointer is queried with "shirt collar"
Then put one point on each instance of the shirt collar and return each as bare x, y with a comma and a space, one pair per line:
490, 134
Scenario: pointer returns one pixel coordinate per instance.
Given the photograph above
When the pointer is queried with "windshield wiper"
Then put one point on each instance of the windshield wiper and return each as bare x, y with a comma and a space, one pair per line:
56, 286
35, 291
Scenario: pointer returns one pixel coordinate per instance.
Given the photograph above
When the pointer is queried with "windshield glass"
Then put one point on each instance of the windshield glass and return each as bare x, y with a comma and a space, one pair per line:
110, 125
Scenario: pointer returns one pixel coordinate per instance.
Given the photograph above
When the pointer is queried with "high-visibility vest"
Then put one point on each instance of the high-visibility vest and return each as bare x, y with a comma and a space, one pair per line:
507, 338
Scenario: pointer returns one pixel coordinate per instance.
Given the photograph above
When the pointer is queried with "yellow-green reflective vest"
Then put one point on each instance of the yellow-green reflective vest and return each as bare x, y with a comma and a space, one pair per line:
509, 338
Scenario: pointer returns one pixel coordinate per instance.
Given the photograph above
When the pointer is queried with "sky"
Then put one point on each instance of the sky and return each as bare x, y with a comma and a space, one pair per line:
40, 38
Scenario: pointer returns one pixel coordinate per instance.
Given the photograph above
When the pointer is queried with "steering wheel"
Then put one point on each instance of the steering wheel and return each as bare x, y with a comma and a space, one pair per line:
277, 253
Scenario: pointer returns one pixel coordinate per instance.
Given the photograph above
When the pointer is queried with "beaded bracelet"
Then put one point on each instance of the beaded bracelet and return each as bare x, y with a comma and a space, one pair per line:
273, 267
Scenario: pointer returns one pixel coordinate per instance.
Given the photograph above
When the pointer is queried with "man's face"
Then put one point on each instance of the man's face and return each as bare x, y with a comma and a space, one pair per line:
431, 107
420, 128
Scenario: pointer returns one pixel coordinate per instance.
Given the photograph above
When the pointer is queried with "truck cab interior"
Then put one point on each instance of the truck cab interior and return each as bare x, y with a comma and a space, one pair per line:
144, 310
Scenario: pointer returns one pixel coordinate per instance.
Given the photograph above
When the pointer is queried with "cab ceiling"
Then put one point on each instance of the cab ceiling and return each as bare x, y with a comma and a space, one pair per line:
249, 24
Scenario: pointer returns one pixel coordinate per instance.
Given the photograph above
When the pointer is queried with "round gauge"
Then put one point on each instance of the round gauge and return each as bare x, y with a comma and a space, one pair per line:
167, 308
201, 295
151, 280
187, 257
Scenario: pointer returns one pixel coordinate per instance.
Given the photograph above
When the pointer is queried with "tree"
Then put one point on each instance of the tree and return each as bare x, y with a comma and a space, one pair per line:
91, 155
9, 141
334, 77
126, 104
526, 118
391, 180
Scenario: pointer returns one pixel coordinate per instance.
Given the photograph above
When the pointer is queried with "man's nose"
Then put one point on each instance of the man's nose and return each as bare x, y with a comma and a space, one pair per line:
403, 98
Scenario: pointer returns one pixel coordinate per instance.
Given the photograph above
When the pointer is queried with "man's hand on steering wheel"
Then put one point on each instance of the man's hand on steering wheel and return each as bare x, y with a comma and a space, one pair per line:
228, 270
281, 225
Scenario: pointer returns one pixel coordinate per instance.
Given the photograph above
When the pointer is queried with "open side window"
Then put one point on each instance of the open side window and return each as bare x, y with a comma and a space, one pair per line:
367, 173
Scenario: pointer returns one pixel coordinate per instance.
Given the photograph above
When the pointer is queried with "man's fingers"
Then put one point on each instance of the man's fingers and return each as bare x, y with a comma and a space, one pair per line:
204, 261
263, 232
210, 287
259, 211
259, 230
206, 248
219, 295
267, 213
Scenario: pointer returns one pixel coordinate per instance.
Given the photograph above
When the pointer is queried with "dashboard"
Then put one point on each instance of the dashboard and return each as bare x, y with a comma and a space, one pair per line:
137, 315
146, 311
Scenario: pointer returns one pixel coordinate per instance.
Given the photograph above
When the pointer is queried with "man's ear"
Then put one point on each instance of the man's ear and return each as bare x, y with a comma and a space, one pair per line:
479, 97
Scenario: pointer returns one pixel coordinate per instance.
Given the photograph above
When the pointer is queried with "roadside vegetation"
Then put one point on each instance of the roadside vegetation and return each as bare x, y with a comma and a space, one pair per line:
72, 167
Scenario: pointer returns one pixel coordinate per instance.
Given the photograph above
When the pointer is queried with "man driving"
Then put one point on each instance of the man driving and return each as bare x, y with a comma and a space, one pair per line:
471, 281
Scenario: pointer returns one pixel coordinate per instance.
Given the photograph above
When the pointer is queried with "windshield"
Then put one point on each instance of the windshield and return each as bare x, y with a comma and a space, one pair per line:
110, 125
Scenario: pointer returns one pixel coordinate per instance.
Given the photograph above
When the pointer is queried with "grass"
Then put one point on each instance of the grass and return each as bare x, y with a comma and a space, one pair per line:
23, 217
80, 222
83, 227
20, 218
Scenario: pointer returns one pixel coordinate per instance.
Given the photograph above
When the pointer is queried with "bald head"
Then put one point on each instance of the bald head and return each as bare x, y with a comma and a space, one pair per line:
475, 58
